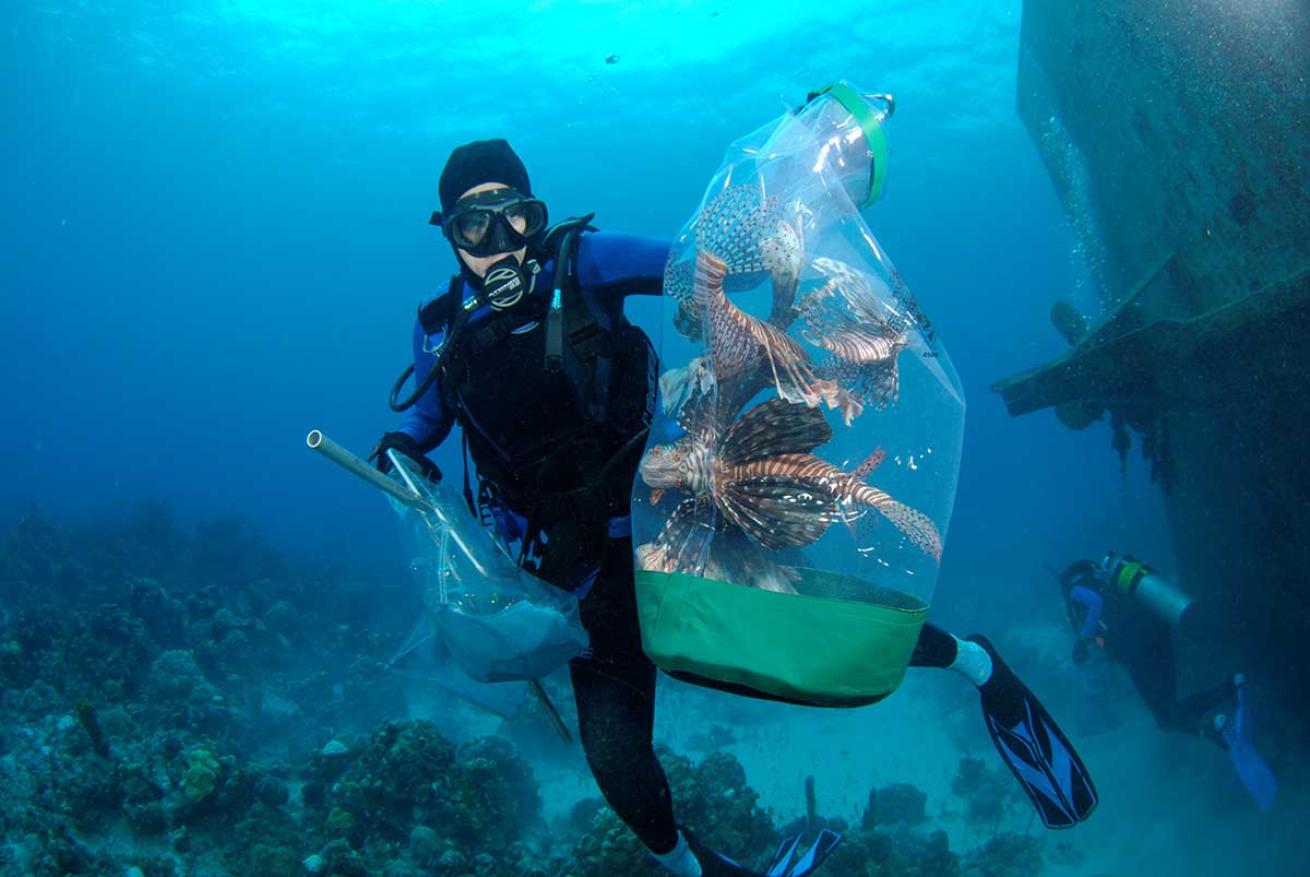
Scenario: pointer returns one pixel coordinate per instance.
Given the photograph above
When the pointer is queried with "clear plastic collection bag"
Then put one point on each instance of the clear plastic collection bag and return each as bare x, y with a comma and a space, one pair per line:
809, 441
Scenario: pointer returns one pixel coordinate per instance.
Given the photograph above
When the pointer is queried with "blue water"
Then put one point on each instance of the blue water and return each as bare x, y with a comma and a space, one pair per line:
216, 234
213, 239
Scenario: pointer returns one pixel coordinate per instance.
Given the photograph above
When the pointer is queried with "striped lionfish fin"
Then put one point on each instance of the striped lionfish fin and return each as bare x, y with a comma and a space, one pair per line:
871, 462
683, 544
779, 512
916, 526
772, 428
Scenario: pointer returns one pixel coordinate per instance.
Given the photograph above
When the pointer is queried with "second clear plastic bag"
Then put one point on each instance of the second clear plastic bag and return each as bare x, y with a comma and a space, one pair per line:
498, 622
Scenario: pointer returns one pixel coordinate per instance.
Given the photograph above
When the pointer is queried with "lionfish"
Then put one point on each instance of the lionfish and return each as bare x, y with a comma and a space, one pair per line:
734, 558
739, 235
752, 235
846, 318
762, 476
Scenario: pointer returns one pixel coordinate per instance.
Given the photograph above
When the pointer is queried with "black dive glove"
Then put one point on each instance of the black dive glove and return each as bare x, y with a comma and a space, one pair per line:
403, 443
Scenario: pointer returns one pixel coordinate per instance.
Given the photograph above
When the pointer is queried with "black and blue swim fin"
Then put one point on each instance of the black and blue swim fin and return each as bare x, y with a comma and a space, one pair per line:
1034, 748
788, 860
1236, 736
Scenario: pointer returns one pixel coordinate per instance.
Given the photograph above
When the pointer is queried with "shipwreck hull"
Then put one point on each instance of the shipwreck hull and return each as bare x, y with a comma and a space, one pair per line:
1178, 138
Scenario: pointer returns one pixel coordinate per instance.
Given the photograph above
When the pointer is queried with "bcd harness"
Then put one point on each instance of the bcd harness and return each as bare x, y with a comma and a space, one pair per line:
554, 404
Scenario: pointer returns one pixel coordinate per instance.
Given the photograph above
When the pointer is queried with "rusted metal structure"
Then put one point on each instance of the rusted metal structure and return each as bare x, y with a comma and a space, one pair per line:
1178, 137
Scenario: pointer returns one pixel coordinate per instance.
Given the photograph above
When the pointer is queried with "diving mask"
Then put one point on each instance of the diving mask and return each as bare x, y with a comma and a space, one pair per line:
498, 221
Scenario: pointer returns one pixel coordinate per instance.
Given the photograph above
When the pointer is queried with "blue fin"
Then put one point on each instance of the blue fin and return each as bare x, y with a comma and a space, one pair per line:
1251, 769
785, 862
1034, 748
782, 858
783, 866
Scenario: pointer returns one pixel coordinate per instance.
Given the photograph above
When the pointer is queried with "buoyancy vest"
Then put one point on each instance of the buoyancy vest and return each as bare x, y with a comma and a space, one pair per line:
553, 399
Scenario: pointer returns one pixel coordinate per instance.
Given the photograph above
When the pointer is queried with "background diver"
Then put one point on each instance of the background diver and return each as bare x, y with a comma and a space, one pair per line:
1127, 609
554, 394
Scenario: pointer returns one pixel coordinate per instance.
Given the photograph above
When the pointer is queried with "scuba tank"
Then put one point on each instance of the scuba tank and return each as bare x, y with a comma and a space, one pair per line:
1135, 579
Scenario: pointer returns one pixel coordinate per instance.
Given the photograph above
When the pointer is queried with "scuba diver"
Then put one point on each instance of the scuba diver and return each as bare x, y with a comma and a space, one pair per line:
528, 350
1128, 610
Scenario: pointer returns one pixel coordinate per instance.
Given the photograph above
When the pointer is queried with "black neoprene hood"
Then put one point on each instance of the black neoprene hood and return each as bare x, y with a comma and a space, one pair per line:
482, 161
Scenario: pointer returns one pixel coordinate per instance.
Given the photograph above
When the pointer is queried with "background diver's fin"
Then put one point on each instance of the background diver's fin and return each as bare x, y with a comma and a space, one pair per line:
1255, 775
1034, 748
1251, 769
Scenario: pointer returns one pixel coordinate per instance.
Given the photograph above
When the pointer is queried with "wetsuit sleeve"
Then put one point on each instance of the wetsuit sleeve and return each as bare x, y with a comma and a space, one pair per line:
614, 266
1090, 601
427, 422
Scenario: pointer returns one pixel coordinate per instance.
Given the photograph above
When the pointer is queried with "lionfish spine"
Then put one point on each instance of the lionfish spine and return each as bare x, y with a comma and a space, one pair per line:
786, 465
807, 467
854, 347
847, 490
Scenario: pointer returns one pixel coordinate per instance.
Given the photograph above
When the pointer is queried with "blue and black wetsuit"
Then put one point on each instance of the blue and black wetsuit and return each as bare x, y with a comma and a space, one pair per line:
556, 452
1139, 641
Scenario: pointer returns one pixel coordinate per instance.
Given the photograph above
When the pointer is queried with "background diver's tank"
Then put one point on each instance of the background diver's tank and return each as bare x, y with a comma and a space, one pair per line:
790, 509
1185, 169
1152, 592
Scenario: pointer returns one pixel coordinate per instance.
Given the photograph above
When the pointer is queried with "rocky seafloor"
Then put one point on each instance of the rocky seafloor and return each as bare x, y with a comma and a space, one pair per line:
186, 702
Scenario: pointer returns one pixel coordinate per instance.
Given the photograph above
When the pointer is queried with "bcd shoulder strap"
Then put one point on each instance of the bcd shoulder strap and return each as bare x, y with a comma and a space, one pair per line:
565, 271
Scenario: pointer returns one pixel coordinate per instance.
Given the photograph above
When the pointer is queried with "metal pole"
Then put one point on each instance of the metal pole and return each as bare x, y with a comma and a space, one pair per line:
354, 465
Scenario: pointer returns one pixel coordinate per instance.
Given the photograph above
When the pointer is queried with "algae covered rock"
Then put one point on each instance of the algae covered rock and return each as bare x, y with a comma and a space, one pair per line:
897, 804
406, 775
713, 800
716, 802
498, 791
425, 846
481, 797
16, 670
985, 789
201, 775
900, 853
266, 843
1008, 854
178, 692
142, 798
176, 675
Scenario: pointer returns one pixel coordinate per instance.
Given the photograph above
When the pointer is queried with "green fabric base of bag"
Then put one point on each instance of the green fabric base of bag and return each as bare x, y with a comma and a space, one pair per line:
798, 648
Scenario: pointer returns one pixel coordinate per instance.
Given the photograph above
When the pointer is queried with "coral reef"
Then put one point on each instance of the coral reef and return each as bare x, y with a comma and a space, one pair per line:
1006, 855
86, 716
897, 804
985, 789
711, 798
177, 704
902, 853
164, 713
